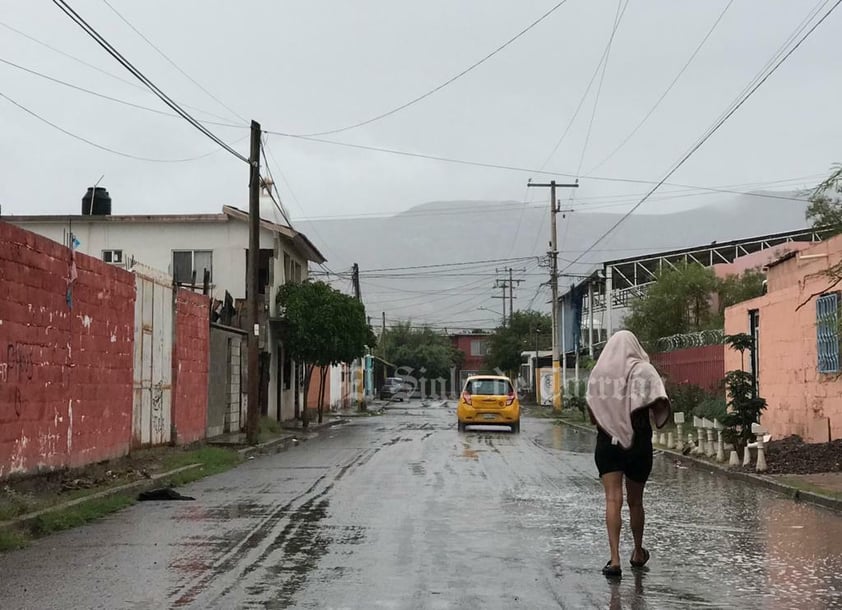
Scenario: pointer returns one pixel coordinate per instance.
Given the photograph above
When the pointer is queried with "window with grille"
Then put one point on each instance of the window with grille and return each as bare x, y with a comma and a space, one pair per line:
827, 332
114, 257
185, 262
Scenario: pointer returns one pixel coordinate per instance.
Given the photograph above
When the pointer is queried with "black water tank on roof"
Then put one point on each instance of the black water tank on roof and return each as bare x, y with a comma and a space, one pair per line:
96, 202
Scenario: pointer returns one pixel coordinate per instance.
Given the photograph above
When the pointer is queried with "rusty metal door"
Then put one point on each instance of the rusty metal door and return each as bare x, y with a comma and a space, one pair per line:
152, 403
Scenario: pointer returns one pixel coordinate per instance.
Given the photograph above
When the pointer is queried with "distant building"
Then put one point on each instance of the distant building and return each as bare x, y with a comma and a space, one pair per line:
474, 346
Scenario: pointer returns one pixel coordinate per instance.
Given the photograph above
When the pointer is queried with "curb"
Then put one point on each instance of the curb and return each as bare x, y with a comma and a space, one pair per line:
23, 519
764, 481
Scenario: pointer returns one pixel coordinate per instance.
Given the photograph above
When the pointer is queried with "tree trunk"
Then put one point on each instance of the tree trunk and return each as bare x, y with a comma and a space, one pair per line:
305, 416
323, 375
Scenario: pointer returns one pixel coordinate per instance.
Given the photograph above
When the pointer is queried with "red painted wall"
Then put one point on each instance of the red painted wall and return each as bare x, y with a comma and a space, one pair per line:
313, 390
65, 373
190, 366
702, 366
463, 344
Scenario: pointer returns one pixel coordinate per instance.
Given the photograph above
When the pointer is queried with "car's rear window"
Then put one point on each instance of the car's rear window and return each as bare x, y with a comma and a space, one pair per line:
488, 387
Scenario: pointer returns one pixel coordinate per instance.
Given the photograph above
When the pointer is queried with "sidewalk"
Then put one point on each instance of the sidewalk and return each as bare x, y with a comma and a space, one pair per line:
824, 489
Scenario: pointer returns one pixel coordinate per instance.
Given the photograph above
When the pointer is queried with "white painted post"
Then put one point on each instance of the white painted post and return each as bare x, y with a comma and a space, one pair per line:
746, 456
678, 418
700, 443
670, 440
710, 446
654, 437
720, 446
735, 458
761, 450
664, 439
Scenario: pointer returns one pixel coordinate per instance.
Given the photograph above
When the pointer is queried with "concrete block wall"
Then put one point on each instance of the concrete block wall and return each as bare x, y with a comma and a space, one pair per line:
190, 366
65, 372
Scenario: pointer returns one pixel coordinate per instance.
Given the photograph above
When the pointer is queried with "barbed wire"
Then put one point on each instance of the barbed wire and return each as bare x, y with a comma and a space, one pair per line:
688, 340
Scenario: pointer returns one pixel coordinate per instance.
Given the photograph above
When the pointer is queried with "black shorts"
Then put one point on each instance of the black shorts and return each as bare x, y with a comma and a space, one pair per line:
635, 462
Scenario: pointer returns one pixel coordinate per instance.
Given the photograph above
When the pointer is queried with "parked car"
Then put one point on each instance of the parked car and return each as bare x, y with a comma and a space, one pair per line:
488, 400
395, 388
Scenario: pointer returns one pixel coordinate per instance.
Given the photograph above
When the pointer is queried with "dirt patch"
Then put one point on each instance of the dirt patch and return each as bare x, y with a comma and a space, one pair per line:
19, 495
792, 455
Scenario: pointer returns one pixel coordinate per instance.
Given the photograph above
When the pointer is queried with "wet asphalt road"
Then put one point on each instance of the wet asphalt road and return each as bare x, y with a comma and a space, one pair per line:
402, 511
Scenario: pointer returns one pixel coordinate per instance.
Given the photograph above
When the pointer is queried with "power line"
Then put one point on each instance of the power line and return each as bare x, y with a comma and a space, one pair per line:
478, 262
445, 83
106, 97
712, 130
513, 168
173, 64
582, 99
98, 69
669, 88
106, 148
617, 19
100, 40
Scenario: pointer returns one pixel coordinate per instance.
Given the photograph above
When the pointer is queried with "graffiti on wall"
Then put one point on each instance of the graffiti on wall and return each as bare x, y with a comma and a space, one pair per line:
18, 366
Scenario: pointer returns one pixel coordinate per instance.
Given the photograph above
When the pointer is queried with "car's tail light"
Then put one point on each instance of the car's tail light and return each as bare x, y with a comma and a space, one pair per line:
466, 396
510, 398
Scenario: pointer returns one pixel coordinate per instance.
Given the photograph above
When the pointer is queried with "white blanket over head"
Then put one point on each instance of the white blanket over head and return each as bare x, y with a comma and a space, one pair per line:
623, 381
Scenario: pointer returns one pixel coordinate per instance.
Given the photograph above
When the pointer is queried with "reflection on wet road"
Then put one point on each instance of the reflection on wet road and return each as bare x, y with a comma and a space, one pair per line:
402, 511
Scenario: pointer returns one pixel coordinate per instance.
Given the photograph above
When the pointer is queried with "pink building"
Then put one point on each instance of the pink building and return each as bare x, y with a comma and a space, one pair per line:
796, 325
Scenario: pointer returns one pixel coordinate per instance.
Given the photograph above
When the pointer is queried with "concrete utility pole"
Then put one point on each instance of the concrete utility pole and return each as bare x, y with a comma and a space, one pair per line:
355, 279
554, 282
503, 285
253, 278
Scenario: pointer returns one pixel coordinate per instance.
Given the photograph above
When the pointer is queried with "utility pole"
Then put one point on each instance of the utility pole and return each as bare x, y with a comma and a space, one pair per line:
503, 285
554, 282
358, 375
253, 412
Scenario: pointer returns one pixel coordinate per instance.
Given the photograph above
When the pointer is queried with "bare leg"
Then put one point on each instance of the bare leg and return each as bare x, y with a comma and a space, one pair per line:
612, 482
634, 495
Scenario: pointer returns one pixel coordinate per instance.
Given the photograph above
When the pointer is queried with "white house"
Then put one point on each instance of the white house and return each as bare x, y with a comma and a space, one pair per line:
185, 245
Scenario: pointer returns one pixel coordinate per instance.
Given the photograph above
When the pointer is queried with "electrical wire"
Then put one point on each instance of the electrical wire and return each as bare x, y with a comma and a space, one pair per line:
441, 86
88, 29
106, 97
669, 88
617, 19
100, 70
173, 64
711, 131
106, 148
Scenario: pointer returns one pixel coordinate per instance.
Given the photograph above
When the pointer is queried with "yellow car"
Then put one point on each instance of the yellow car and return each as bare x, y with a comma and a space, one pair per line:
488, 400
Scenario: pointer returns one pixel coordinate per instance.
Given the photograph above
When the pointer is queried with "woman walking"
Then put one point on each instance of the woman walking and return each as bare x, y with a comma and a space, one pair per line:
624, 389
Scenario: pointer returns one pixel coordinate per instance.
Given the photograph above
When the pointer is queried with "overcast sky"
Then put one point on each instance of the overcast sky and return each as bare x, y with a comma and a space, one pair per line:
316, 65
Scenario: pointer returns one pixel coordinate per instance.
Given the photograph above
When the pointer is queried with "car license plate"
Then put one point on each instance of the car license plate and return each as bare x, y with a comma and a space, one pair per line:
490, 416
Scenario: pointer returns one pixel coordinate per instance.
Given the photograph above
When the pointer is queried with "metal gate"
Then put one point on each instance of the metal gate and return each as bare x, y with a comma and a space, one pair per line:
153, 326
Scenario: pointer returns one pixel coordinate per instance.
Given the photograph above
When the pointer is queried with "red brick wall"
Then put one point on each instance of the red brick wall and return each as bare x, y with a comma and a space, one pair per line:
701, 366
463, 344
65, 373
191, 353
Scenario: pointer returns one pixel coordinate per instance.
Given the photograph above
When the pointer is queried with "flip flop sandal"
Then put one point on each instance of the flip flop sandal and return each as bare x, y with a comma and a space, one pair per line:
640, 564
610, 570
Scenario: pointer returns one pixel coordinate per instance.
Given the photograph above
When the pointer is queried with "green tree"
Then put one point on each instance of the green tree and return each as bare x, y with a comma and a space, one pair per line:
421, 350
825, 209
678, 302
323, 327
508, 342
735, 289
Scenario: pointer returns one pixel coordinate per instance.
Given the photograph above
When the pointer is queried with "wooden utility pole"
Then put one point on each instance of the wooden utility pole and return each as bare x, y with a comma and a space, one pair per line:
554, 283
252, 280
